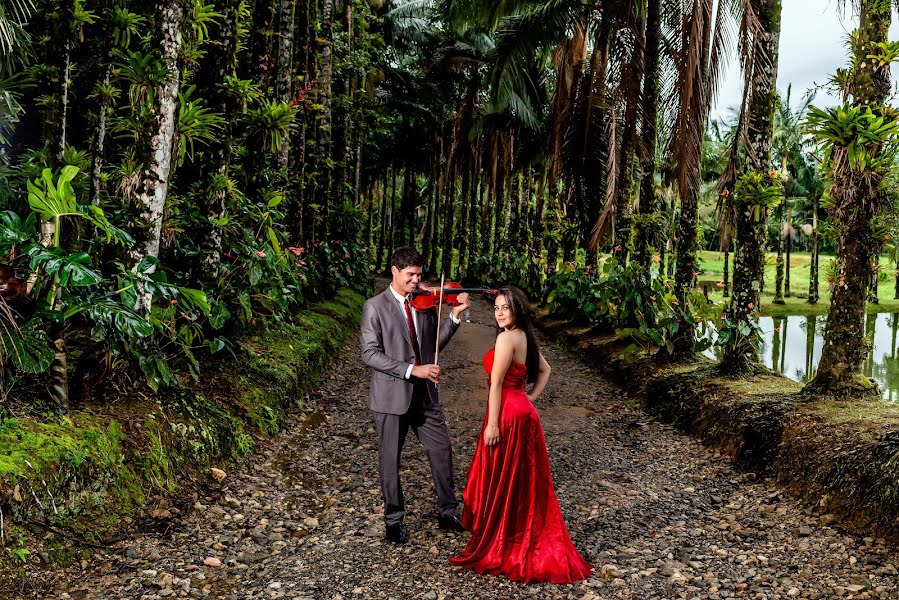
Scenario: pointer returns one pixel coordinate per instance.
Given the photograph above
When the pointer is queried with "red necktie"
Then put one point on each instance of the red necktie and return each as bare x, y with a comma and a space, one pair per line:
412, 332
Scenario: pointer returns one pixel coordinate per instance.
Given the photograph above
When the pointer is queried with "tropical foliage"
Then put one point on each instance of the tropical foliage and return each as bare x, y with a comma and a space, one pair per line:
175, 173
172, 175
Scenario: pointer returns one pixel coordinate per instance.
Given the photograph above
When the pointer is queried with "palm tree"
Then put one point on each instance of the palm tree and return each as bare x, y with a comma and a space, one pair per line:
756, 189
158, 143
855, 196
650, 94
324, 181
703, 46
790, 151
284, 64
221, 76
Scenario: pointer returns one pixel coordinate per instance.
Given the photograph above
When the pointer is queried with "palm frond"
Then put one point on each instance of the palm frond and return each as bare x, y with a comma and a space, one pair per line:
14, 39
568, 63
685, 143
604, 223
514, 78
724, 40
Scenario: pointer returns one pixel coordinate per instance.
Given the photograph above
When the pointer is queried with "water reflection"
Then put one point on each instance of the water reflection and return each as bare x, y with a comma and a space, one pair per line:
792, 346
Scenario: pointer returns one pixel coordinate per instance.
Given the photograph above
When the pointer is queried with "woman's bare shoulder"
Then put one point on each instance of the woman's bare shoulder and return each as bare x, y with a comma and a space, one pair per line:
505, 338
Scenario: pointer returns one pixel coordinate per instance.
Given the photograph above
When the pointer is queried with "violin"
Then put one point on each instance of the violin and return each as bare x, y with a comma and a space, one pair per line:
427, 297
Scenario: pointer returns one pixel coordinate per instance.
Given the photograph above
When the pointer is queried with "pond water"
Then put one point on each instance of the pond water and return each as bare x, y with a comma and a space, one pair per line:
792, 347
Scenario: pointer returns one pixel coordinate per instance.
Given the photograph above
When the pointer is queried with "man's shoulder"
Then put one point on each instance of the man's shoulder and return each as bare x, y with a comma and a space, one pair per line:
375, 300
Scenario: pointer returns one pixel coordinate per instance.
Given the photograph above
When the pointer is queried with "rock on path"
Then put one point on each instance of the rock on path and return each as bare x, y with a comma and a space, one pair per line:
657, 514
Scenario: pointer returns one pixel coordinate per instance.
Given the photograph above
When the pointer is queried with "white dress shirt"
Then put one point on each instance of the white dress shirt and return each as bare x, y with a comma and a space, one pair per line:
402, 302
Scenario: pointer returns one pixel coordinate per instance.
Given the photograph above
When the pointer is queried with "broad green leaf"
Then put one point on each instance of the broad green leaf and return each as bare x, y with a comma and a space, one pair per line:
255, 274
273, 239
195, 298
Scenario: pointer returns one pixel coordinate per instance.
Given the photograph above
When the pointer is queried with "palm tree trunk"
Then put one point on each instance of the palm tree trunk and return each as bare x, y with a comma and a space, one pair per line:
301, 227
426, 247
811, 326
434, 226
345, 129
99, 152
650, 115
856, 201
487, 207
584, 202
446, 248
783, 340
554, 250
499, 201
749, 260
896, 289
64, 112
691, 119
514, 208
663, 258
391, 228
405, 206
779, 271
875, 272
223, 62
367, 236
776, 342
263, 61
789, 244
158, 147
382, 237
504, 199
726, 282
527, 235
466, 197
633, 77
439, 193
894, 330
357, 153
813, 271
477, 199
284, 64
870, 325
324, 150
538, 214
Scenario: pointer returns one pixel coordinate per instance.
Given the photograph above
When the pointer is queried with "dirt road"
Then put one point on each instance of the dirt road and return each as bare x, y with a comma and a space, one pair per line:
657, 514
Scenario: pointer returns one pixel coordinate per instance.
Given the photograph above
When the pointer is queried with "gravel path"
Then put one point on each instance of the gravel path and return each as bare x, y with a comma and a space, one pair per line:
657, 514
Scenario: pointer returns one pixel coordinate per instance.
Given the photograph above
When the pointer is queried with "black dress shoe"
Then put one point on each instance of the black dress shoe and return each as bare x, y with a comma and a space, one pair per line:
453, 523
396, 533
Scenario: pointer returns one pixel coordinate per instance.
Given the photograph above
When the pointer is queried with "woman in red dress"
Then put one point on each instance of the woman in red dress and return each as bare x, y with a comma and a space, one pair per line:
511, 509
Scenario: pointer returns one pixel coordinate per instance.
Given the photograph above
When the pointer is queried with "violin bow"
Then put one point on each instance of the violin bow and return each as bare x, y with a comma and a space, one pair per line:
439, 306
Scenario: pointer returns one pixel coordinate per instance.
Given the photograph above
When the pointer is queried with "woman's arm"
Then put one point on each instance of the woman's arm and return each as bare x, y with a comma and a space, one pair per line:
502, 358
542, 377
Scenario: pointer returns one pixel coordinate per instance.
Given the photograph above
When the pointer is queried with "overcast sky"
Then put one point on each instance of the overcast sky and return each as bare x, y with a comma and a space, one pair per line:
812, 46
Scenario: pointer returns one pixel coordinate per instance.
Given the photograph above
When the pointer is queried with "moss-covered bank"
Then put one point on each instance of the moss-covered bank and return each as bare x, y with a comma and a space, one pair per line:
142, 455
841, 457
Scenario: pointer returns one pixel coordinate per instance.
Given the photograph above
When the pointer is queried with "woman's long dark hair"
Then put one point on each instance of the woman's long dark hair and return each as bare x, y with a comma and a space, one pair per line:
524, 320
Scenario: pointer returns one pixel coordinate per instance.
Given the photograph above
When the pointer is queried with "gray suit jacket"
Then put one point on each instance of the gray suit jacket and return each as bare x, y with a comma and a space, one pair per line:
387, 350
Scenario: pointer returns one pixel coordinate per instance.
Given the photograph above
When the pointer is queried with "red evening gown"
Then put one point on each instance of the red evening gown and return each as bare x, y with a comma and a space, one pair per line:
511, 509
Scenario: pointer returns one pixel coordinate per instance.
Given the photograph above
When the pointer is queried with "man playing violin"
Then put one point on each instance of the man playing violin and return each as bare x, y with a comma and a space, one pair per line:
399, 345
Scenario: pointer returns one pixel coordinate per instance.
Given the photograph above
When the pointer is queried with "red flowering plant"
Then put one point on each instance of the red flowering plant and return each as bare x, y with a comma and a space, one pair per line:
573, 293
636, 302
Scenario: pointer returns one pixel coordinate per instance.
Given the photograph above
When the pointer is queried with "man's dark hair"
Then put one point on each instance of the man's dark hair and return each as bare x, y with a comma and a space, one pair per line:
406, 256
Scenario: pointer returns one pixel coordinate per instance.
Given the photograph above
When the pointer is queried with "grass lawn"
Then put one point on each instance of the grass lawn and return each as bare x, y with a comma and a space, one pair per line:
711, 266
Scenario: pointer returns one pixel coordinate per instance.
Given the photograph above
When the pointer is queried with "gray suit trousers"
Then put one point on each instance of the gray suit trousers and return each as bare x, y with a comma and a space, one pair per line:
426, 420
